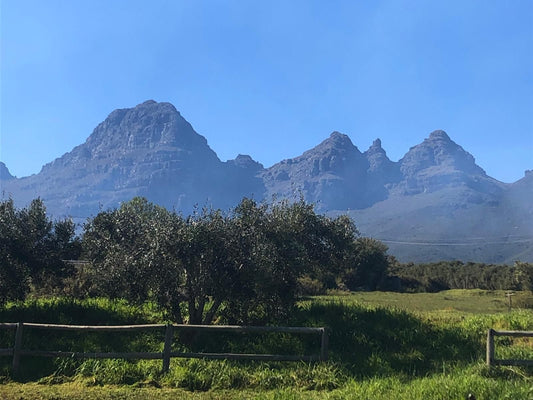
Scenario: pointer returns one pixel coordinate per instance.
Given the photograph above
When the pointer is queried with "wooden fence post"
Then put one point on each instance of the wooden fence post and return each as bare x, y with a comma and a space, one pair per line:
490, 347
16, 348
169, 333
324, 345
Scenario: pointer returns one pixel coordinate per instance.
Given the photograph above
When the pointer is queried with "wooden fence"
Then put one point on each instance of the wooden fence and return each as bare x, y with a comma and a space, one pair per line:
17, 351
490, 347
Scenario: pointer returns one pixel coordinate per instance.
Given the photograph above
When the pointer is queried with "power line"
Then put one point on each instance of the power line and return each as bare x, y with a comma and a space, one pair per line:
436, 243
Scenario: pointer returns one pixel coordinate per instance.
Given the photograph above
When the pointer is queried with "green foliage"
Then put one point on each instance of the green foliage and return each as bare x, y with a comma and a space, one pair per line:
242, 267
389, 341
445, 275
14, 277
454, 304
124, 248
369, 265
308, 286
32, 248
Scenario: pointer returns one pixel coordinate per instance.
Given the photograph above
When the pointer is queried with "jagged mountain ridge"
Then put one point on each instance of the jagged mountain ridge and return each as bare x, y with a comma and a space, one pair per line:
328, 175
435, 192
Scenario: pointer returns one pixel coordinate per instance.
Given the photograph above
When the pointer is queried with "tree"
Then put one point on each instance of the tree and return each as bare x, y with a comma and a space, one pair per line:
32, 248
523, 275
242, 266
126, 247
14, 282
368, 266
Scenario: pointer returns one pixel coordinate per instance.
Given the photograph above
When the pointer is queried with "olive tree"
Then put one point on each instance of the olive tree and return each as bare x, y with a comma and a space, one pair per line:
242, 265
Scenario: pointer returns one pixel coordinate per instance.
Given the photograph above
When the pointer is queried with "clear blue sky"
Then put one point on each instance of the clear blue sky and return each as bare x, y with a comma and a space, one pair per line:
272, 78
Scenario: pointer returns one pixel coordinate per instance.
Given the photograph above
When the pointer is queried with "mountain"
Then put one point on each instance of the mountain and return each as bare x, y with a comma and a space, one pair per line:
445, 206
434, 203
149, 150
332, 175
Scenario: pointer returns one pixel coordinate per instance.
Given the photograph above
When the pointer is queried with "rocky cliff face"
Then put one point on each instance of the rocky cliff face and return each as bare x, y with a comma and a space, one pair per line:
435, 203
333, 175
439, 162
380, 166
5, 175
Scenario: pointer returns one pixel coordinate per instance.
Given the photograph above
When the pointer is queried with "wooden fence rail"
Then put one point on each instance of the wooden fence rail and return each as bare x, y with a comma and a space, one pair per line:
17, 351
490, 347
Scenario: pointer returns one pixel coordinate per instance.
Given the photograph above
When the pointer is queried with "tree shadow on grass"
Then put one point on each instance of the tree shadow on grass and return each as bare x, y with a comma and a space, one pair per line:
365, 341
380, 341
73, 312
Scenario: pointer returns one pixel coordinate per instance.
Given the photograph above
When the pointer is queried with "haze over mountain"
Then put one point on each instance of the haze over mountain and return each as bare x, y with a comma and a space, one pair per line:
435, 203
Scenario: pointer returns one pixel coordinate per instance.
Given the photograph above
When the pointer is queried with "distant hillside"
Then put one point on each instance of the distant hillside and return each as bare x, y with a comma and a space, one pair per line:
435, 203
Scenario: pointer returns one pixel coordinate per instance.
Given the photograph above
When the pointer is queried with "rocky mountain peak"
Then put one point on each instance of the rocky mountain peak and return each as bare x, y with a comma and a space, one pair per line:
376, 145
332, 173
441, 154
246, 162
375, 150
337, 148
149, 102
337, 140
381, 167
5, 175
148, 125
335, 154
148, 150
439, 135
148, 132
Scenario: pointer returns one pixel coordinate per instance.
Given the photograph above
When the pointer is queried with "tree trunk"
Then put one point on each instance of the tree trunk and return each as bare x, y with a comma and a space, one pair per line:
212, 311
176, 313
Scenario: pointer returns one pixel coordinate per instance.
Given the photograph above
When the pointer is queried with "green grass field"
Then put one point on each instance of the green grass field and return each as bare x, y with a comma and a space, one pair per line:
382, 346
454, 302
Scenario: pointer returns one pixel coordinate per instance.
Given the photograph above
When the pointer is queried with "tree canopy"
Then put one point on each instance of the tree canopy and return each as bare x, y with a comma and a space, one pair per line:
32, 249
242, 266
247, 265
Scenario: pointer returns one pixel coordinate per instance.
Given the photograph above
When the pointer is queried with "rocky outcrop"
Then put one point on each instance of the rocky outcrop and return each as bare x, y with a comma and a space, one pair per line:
382, 172
332, 175
5, 175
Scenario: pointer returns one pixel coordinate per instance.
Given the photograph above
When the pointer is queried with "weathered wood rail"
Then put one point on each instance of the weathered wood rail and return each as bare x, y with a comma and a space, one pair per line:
17, 351
491, 360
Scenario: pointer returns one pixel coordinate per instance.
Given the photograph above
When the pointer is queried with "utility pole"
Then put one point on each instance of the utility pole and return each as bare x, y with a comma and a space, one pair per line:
509, 295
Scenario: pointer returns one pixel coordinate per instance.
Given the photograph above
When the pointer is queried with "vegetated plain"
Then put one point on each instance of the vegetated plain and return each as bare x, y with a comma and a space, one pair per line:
382, 345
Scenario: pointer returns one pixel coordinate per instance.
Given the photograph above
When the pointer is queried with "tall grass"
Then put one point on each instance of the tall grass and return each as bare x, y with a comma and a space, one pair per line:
375, 352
